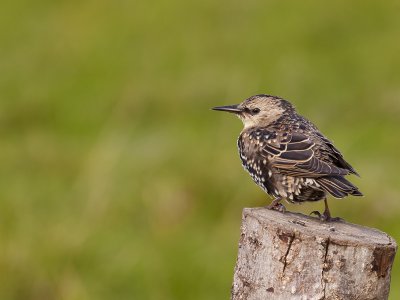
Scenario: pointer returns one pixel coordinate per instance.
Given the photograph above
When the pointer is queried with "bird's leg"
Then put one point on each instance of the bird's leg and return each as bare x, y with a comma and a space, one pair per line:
276, 205
326, 216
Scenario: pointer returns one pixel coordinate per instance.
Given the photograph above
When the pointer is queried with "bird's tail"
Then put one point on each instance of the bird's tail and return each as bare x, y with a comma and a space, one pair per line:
338, 186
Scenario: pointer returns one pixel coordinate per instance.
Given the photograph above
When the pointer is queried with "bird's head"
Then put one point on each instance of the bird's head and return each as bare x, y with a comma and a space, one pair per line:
259, 110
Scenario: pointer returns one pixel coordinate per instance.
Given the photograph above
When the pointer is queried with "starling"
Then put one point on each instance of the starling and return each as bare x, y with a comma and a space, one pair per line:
287, 156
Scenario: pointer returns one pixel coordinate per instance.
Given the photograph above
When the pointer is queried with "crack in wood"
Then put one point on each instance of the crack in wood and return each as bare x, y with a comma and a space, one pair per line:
325, 267
291, 239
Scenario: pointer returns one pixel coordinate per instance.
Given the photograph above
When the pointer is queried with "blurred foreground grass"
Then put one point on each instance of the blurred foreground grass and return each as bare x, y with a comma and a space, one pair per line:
117, 182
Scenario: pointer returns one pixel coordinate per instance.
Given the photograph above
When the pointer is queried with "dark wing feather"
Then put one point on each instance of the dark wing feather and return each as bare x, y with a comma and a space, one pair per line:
338, 186
295, 156
336, 156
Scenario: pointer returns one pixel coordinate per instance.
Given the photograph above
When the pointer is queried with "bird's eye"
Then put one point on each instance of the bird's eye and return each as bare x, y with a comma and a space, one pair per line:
255, 111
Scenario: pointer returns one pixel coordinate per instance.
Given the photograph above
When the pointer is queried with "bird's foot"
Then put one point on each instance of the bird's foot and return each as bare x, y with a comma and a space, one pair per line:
277, 206
326, 216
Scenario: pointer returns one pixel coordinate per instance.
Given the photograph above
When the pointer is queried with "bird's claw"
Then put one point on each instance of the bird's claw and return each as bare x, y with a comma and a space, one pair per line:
335, 219
317, 213
326, 217
277, 206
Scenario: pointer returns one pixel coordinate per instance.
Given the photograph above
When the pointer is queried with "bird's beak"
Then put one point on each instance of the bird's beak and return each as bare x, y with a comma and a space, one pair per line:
229, 108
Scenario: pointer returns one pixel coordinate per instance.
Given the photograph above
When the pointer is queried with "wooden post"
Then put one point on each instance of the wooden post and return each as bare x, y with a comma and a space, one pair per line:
292, 256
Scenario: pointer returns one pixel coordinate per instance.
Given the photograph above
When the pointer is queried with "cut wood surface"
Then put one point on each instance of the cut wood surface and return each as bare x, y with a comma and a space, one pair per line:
293, 256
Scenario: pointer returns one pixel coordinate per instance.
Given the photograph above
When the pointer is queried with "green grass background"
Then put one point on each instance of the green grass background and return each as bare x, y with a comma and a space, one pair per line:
118, 182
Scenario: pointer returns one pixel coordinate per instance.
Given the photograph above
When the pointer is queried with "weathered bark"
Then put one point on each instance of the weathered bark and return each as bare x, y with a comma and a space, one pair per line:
292, 256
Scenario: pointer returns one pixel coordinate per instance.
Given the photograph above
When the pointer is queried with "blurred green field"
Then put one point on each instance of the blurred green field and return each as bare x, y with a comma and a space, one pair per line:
118, 182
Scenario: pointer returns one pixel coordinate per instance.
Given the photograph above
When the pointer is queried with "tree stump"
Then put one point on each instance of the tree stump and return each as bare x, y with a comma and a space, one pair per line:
292, 256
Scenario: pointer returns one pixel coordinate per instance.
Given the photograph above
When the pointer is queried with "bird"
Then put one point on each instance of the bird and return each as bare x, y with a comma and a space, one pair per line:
287, 156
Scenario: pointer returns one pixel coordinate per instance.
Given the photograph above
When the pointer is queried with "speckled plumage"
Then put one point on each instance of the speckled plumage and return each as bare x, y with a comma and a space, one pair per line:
286, 155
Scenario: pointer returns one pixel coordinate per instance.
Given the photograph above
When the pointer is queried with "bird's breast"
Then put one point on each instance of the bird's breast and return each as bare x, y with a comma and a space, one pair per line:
255, 164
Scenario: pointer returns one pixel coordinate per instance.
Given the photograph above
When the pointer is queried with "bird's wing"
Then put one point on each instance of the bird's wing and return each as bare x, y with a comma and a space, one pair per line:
294, 155
336, 156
